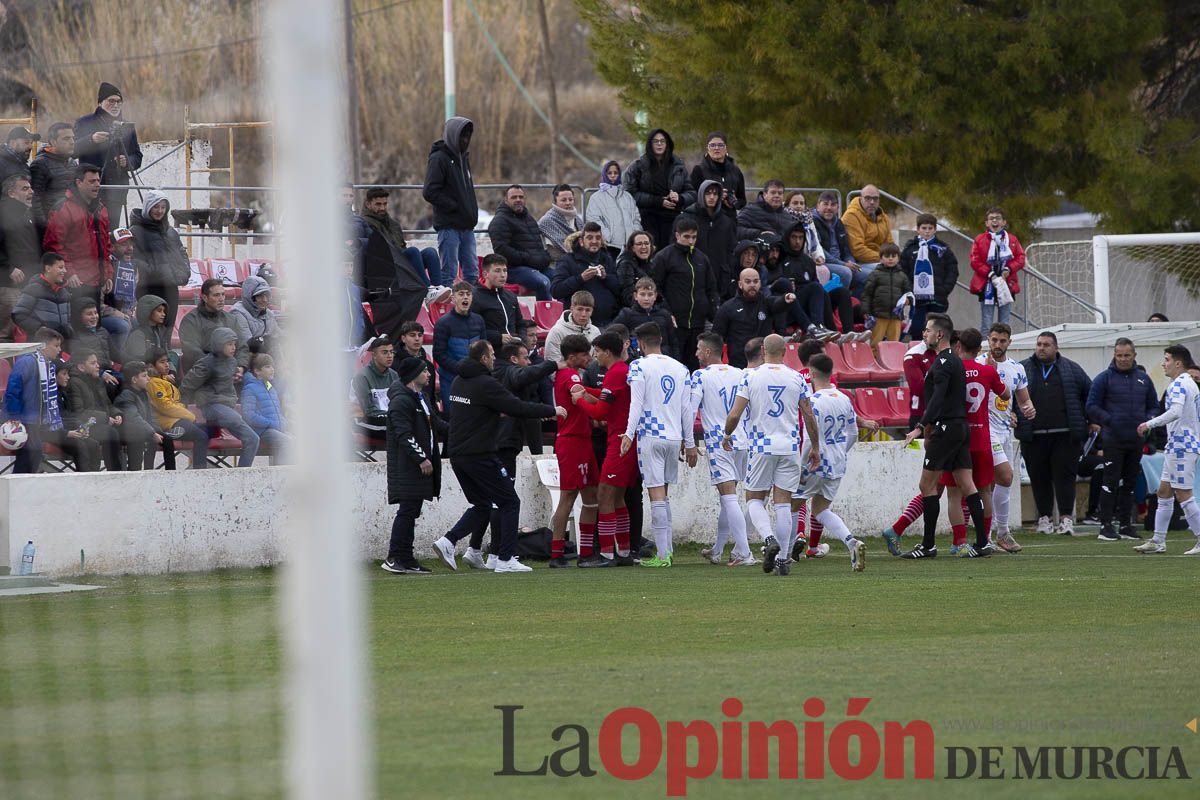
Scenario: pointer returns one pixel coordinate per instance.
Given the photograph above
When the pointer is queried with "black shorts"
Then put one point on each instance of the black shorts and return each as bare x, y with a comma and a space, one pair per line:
948, 447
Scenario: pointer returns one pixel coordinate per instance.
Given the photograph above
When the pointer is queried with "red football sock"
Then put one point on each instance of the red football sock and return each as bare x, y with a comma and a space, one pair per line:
606, 526
803, 520
622, 531
987, 525
960, 535
966, 511
817, 530
556, 547
587, 538
914, 512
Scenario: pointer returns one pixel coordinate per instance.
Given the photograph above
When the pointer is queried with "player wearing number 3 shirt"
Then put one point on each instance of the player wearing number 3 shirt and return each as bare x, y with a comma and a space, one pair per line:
658, 396
769, 396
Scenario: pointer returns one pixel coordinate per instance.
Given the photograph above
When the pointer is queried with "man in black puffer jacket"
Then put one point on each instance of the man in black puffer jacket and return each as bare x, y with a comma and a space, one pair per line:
414, 469
158, 245
766, 214
477, 401
685, 280
516, 236
497, 306
750, 315
588, 267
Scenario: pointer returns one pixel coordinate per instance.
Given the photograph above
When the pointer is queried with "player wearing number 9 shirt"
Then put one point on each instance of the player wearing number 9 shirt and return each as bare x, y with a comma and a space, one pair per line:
658, 397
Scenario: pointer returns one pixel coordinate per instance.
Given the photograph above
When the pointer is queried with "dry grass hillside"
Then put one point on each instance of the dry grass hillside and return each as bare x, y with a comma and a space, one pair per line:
208, 54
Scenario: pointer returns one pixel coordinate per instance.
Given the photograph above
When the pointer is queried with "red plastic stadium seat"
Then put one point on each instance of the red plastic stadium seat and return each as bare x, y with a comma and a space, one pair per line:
199, 274
872, 403
370, 312
182, 312
891, 355
252, 265
436, 312
791, 357
900, 401
843, 371
426, 323
547, 312
859, 356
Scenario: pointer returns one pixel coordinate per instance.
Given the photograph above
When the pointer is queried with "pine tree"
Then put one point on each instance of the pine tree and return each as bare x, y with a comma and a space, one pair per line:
963, 104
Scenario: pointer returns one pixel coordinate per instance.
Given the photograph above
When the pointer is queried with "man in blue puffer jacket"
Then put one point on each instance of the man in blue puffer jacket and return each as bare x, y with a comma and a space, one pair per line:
453, 335
1122, 397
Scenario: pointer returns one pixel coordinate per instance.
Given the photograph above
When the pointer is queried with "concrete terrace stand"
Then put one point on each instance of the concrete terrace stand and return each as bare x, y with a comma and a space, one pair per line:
158, 522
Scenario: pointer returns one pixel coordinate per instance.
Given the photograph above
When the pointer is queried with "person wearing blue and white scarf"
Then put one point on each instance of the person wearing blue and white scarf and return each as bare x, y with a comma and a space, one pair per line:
933, 269
32, 398
996, 257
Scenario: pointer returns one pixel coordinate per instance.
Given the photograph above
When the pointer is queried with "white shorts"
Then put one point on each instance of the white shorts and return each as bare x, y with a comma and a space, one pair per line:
1004, 450
726, 465
658, 461
1179, 469
818, 486
764, 470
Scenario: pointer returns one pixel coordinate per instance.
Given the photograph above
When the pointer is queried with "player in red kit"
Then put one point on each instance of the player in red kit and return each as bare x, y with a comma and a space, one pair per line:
611, 403
982, 381
577, 469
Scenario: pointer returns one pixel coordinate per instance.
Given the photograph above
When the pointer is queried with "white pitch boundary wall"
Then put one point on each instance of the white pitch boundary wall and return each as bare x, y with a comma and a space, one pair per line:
158, 522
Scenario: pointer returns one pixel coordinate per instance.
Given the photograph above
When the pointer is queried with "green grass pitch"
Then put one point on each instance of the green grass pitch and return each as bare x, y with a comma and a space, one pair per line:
170, 686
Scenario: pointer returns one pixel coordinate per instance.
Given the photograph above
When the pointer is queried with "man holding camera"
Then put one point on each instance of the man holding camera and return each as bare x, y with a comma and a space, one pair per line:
105, 140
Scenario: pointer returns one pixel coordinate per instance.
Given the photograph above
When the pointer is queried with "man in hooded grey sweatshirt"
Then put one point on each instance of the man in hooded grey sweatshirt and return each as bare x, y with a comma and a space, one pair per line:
450, 189
209, 384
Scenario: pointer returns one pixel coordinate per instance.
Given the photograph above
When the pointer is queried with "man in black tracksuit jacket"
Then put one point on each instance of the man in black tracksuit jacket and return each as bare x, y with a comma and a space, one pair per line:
685, 280
477, 401
947, 439
517, 375
498, 306
748, 316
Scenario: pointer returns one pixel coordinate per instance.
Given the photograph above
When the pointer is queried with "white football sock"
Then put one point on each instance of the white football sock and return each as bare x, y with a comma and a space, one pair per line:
1162, 518
835, 526
785, 529
1000, 496
670, 528
722, 529
1191, 512
736, 524
660, 526
758, 517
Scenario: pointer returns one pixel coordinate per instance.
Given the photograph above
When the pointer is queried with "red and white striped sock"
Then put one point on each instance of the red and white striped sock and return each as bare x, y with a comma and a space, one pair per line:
914, 512
587, 539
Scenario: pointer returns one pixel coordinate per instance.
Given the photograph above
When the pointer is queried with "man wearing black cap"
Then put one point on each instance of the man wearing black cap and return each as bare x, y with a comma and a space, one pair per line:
414, 470
107, 141
14, 155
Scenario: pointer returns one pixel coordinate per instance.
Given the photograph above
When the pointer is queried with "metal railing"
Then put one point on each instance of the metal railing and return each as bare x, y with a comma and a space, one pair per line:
1033, 273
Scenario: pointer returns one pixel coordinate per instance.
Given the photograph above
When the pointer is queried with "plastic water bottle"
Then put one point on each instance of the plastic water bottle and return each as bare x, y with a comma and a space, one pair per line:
27, 559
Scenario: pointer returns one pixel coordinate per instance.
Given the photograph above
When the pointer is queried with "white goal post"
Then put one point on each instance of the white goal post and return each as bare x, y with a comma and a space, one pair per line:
1106, 276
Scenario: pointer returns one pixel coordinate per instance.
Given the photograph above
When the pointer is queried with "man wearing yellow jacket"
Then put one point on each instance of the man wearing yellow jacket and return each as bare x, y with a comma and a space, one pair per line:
867, 228
172, 415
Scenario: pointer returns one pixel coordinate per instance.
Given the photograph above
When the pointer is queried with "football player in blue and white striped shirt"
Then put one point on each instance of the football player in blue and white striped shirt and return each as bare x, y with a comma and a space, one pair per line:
657, 411
713, 389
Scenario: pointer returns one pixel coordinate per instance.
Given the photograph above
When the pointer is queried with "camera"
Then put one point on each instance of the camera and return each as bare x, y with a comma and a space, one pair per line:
119, 125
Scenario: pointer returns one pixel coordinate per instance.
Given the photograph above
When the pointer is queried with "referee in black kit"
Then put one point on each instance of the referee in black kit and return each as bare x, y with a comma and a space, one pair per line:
477, 401
947, 439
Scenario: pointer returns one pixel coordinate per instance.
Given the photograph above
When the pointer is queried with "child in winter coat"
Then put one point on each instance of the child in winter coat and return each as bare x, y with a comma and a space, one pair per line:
261, 406
138, 430
644, 310
933, 269
172, 415
885, 286
996, 254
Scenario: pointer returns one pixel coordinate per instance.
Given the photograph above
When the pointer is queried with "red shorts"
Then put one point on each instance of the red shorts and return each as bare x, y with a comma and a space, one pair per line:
619, 470
576, 462
983, 472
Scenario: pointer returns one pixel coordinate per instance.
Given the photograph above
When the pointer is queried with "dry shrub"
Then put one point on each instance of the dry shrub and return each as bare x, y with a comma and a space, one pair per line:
398, 56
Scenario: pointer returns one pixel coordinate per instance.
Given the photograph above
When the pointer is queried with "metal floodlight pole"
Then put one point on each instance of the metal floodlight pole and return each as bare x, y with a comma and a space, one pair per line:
448, 54
328, 751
